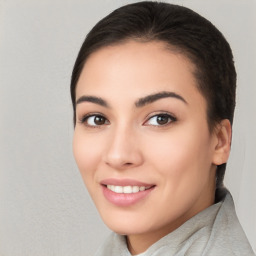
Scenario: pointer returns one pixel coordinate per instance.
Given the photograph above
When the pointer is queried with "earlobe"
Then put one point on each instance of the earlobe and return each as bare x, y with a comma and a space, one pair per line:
223, 135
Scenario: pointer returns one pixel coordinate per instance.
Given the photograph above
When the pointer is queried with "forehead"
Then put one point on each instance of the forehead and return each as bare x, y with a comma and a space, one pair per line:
137, 68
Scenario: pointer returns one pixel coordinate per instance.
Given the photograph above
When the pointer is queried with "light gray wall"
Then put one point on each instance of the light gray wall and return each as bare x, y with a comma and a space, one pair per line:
44, 207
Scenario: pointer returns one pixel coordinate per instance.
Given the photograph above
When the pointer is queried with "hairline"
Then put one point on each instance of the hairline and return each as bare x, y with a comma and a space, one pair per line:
178, 50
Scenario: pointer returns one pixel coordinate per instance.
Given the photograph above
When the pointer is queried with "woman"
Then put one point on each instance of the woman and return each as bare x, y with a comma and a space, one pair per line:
153, 91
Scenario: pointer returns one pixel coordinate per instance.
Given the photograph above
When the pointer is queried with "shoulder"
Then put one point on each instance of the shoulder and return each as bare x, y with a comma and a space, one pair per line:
114, 245
227, 235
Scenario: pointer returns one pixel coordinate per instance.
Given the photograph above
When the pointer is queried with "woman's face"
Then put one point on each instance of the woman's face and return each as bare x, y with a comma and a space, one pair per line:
141, 139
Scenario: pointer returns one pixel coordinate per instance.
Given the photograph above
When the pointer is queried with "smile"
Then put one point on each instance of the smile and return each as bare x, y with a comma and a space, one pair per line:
126, 192
126, 189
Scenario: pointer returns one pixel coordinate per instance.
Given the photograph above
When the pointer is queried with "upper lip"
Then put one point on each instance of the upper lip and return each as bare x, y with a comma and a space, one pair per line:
125, 182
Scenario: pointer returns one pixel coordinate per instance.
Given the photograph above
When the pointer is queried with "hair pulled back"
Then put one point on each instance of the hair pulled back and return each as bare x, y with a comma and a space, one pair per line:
186, 32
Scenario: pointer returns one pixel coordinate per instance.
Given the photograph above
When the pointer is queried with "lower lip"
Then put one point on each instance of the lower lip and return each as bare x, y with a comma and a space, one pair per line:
122, 199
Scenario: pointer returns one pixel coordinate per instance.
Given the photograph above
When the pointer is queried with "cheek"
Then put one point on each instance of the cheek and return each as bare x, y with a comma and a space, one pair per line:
181, 156
87, 154
182, 166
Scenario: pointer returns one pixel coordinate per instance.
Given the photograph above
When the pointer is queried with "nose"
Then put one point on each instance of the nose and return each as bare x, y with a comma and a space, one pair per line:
123, 150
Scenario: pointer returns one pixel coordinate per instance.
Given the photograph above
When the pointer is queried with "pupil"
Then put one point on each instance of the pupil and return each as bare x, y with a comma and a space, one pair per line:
162, 119
99, 120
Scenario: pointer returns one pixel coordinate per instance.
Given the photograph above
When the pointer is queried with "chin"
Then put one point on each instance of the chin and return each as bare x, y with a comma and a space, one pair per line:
125, 224
128, 230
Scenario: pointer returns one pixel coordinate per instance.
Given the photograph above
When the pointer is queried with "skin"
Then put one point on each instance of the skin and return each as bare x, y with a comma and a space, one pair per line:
179, 157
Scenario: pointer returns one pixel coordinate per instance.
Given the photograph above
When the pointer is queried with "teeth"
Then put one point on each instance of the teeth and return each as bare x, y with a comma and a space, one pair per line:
126, 189
118, 189
135, 189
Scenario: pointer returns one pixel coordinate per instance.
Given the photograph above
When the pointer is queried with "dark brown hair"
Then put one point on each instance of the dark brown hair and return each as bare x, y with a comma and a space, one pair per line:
182, 29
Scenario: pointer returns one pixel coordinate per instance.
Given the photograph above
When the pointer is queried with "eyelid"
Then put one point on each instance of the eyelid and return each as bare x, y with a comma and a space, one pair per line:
171, 116
83, 119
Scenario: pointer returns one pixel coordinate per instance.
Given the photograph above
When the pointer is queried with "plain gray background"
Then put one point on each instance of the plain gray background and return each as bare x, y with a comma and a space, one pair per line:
44, 206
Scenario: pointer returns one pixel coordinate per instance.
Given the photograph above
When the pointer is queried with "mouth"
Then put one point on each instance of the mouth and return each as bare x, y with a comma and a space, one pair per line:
125, 192
127, 189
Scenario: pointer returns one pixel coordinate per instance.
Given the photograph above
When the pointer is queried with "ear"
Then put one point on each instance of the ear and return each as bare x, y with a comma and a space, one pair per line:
223, 134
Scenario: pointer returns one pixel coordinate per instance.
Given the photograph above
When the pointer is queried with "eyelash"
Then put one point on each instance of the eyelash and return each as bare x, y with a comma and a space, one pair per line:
170, 119
84, 120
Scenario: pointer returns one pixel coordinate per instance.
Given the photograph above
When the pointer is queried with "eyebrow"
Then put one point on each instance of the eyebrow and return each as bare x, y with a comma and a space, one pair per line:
92, 99
139, 103
157, 96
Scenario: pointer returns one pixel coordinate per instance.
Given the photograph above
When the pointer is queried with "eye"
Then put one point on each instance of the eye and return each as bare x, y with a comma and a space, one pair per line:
94, 120
160, 120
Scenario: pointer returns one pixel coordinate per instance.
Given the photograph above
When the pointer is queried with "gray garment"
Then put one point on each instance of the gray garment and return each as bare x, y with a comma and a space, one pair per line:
216, 231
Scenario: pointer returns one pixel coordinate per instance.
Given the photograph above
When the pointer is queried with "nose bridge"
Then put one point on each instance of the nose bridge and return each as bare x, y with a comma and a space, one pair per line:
122, 150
